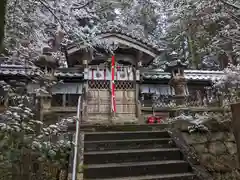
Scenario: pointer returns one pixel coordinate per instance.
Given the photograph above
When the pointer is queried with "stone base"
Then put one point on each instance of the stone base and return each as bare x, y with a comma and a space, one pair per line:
107, 119
79, 176
124, 119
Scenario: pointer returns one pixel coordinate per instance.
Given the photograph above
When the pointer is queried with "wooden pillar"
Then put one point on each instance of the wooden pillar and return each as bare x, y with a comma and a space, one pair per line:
137, 89
87, 57
235, 108
85, 90
137, 85
64, 100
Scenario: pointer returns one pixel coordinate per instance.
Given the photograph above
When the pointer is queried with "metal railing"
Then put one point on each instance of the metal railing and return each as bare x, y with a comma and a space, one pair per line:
75, 157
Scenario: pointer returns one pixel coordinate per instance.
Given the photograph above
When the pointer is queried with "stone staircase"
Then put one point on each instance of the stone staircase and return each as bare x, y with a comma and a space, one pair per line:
133, 155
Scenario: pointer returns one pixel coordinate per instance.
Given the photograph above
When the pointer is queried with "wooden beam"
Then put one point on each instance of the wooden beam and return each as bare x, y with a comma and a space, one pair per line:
136, 46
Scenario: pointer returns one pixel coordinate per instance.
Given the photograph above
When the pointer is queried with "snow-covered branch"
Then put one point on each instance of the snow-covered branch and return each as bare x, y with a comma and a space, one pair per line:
201, 122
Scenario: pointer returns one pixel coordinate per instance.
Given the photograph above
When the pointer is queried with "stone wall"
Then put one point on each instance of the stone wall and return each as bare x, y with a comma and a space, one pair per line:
216, 149
217, 152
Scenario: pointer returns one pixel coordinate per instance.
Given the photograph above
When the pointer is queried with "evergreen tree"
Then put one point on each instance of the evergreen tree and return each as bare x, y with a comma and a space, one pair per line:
196, 29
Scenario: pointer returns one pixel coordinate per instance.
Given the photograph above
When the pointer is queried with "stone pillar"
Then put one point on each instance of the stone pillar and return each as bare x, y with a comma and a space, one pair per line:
235, 108
44, 104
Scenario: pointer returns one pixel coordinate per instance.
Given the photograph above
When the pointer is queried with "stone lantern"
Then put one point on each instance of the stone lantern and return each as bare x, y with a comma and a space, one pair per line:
47, 63
43, 103
178, 81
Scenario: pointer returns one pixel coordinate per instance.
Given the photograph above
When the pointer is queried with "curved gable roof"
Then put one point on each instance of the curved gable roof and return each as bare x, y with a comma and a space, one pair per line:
134, 40
125, 40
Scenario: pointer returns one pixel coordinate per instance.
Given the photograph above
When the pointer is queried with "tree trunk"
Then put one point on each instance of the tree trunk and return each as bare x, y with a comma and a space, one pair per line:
192, 51
3, 5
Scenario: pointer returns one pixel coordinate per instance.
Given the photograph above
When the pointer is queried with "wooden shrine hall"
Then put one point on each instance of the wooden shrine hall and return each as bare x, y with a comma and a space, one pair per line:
91, 72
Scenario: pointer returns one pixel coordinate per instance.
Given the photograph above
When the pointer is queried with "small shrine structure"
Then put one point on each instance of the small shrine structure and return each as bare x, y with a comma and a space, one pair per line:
138, 88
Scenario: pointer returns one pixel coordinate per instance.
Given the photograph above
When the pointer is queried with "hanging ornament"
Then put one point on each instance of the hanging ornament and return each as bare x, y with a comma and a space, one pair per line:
137, 75
140, 64
123, 73
112, 46
119, 67
129, 68
98, 74
129, 72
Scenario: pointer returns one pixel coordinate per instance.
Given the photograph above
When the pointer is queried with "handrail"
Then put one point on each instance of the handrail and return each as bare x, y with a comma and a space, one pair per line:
76, 140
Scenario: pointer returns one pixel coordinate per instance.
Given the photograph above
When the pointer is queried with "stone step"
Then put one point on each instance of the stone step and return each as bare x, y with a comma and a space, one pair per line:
131, 169
136, 155
128, 144
179, 176
100, 136
123, 127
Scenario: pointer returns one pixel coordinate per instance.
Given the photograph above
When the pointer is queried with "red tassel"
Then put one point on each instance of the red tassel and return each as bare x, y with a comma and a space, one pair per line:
113, 85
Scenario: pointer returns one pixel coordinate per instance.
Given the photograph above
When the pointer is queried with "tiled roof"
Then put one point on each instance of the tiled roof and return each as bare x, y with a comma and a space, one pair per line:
69, 72
113, 29
20, 70
17, 70
157, 74
189, 74
203, 75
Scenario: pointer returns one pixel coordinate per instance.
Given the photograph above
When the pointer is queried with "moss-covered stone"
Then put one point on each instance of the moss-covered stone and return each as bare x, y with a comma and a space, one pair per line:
217, 136
217, 148
195, 138
216, 151
201, 148
231, 147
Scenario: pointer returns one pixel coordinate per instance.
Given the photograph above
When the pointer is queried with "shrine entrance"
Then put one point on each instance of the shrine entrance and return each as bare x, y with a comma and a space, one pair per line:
125, 99
99, 98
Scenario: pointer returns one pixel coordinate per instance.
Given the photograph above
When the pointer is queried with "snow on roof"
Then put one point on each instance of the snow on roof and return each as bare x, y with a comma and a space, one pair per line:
156, 74
189, 74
